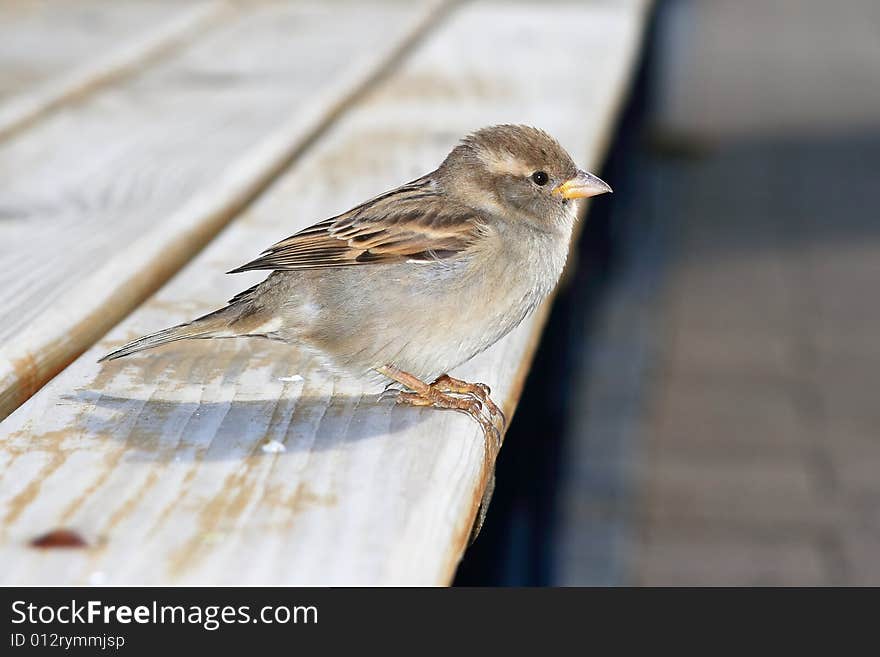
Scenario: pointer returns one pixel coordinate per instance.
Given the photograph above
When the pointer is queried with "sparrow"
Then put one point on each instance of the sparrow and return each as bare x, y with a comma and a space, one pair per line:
418, 280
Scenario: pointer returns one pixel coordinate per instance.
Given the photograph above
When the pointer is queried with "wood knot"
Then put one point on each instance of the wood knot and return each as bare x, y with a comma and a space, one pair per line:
59, 538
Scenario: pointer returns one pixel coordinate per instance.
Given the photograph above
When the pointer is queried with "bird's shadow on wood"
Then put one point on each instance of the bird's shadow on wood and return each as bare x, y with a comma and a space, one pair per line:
175, 431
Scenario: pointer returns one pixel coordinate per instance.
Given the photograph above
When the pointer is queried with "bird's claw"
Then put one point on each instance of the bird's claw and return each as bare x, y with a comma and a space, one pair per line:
492, 420
471, 399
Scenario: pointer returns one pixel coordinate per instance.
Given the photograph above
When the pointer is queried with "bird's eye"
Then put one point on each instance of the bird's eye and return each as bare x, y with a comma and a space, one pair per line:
540, 178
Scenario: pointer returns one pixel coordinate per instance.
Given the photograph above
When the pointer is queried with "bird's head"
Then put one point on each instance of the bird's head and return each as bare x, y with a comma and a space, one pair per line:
518, 171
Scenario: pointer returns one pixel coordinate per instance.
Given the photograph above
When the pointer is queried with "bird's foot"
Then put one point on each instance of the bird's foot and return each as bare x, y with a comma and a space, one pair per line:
481, 391
446, 392
468, 405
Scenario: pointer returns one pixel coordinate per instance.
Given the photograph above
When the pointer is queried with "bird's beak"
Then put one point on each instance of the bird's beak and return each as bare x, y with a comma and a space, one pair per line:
583, 185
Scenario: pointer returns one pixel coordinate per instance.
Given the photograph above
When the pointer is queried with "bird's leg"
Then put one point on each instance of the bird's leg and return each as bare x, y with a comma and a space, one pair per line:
481, 391
424, 394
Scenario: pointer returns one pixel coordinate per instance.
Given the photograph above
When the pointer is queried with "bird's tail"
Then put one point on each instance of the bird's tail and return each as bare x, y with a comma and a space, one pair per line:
218, 324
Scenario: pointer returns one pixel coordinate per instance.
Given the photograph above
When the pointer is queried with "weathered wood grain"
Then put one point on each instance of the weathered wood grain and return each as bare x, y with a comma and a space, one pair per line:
103, 200
169, 464
53, 51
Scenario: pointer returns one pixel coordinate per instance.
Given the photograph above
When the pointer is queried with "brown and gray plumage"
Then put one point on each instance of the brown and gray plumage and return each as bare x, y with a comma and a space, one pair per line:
420, 279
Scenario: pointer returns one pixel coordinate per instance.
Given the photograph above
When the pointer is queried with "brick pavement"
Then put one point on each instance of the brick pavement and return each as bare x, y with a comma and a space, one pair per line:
760, 450
728, 425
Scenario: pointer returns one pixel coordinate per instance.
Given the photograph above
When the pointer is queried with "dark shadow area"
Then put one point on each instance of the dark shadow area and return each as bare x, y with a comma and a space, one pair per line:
187, 431
757, 195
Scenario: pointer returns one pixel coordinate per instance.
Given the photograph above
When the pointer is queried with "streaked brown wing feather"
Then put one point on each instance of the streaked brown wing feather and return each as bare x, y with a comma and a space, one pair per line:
412, 222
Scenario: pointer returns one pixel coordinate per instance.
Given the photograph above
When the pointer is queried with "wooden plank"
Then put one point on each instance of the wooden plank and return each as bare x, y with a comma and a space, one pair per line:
53, 52
102, 201
168, 464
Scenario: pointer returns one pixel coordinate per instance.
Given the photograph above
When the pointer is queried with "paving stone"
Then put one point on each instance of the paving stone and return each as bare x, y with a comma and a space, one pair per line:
856, 463
725, 414
861, 552
701, 560
754, 492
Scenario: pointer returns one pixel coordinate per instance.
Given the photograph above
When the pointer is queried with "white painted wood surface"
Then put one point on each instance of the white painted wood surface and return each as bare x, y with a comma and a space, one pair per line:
101, 201
52, 51
158, 461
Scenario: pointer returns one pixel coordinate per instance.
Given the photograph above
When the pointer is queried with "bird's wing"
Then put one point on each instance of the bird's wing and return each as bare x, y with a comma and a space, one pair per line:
411, 223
